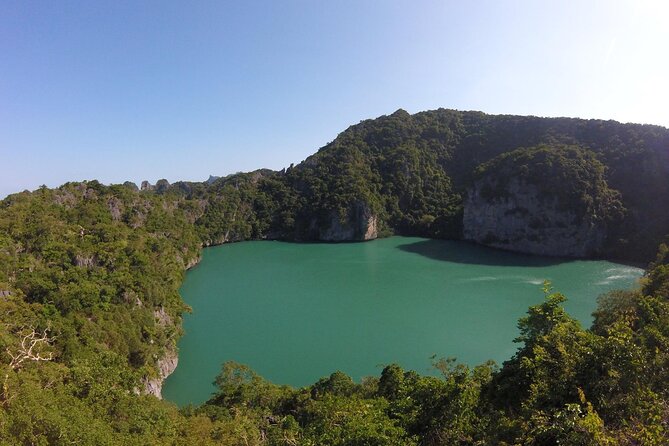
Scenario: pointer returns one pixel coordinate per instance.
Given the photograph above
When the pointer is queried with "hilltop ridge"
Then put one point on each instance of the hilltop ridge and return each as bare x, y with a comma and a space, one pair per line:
417, 174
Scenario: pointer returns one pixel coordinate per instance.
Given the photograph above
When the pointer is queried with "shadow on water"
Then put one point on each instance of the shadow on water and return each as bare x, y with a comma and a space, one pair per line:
470, 253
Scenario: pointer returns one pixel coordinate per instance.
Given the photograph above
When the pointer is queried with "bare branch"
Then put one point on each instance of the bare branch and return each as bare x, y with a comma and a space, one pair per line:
32, 348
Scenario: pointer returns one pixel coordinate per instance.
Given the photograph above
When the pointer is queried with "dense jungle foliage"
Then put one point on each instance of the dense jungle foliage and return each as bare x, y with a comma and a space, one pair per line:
415, 170
89, 303
568, 181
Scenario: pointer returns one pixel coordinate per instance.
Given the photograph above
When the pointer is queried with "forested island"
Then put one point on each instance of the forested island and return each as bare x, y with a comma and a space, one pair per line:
91, 314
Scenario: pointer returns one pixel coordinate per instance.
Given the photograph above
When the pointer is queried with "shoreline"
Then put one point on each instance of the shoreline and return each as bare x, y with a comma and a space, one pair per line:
453, 244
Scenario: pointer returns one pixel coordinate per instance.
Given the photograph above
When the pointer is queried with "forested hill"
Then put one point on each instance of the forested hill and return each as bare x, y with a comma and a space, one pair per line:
414, 173
522, 183
90, 312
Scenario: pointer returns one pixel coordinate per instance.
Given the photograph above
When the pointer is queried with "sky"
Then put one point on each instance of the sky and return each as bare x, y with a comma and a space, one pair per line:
134, 90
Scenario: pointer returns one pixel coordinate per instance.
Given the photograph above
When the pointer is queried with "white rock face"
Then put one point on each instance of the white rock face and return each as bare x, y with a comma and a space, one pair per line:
360, 225
524, 221
166, 365
372, 230
193, 262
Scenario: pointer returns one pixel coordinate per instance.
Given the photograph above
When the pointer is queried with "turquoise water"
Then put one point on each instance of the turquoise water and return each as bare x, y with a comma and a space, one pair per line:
297, 312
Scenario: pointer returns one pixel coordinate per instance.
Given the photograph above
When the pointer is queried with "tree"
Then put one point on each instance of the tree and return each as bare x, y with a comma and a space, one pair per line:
33, 346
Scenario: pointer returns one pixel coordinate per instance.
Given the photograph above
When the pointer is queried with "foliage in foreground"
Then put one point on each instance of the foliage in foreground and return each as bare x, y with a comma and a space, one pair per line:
564, 385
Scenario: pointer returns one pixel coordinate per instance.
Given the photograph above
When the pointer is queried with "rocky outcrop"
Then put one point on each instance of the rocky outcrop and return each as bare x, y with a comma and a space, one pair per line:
162, 318
211, 179
360, 224
543, 200
115, 208
524, 221
193, 262
228, 237
65, 198
130, 185
167, 363
162, 186
165, 366
85, 261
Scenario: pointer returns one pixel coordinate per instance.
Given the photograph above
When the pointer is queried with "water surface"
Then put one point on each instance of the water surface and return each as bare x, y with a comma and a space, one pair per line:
298, 312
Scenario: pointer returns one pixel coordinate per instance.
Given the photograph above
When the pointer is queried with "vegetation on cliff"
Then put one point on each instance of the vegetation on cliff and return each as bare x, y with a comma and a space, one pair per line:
89, 303
416, 170
545, 199
569, 175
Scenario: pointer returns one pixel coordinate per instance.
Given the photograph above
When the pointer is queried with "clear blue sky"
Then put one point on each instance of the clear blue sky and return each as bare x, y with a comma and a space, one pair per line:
179, 90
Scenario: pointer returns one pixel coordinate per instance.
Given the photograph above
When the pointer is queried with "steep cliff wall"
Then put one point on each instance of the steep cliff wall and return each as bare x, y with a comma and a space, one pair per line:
546, 200
360, 224
167, 363
165, 366
525, 221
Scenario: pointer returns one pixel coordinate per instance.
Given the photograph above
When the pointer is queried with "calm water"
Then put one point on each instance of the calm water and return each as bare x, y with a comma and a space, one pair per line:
298, 312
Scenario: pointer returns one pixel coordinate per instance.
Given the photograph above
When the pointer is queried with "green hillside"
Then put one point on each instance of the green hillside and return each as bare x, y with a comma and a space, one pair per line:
89, 304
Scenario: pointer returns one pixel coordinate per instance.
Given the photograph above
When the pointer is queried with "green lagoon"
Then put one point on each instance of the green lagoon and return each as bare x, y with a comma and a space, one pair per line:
298, 312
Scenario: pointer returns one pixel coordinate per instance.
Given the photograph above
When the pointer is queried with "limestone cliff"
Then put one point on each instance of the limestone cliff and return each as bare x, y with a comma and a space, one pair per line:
360, 224
547, 201
193, 262
165, 365
524, 221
